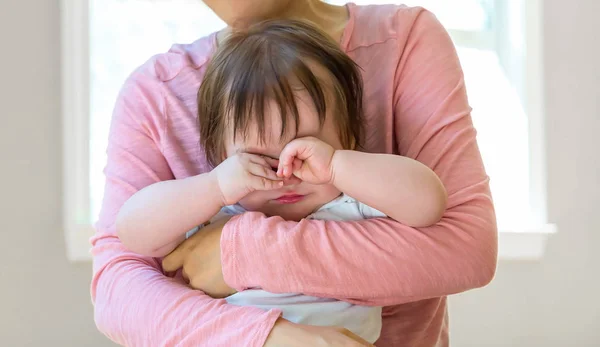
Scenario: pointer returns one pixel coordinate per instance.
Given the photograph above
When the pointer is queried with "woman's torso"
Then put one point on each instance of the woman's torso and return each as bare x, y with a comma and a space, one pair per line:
375, 38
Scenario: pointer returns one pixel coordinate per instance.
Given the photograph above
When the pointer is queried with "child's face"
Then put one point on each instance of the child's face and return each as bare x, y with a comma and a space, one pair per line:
296, 199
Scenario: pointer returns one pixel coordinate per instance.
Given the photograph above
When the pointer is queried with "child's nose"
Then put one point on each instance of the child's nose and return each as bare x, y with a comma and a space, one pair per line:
293, 180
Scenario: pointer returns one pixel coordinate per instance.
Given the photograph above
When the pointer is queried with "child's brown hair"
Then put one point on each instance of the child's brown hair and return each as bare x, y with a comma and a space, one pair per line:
265, 63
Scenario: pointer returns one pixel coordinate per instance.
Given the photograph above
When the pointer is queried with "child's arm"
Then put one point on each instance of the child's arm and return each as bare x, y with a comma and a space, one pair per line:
155, 219
402, 188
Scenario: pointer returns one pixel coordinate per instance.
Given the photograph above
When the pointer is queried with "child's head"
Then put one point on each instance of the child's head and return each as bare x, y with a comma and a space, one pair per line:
274, 82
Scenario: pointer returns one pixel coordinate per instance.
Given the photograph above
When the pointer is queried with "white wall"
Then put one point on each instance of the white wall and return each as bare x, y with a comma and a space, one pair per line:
44, 300
554, 302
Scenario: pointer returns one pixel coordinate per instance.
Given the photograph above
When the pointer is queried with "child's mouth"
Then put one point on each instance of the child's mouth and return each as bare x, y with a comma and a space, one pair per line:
290, 198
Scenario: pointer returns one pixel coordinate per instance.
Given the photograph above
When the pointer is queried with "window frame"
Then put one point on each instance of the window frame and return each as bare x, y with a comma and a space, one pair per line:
75, 52
527, 243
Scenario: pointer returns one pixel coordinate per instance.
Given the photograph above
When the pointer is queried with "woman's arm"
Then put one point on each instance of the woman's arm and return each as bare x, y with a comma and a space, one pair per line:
155, 219
402, 188
135, 304
382, 262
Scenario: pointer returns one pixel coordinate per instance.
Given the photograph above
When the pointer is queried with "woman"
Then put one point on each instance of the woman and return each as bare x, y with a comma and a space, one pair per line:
416, 106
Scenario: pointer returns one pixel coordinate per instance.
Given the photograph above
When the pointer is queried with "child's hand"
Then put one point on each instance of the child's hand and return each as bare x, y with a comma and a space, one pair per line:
309, 159
244, 173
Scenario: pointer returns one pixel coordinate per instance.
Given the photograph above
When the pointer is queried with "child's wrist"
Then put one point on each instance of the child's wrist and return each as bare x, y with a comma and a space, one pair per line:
216, 193
336, 164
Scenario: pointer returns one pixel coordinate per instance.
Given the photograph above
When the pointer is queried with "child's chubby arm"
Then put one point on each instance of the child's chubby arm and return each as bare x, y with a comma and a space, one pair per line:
155, 219
402, 188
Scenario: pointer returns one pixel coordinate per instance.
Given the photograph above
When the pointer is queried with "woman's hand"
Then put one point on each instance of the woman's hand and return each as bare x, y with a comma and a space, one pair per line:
289, 334
309, 159
200, 258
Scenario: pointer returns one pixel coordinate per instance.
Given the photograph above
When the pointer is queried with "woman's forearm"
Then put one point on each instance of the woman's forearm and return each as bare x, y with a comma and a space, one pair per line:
373, 262
400, 187
155, 219
136, 305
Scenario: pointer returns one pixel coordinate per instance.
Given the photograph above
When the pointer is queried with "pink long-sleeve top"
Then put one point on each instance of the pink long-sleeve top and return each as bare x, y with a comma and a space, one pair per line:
416, 106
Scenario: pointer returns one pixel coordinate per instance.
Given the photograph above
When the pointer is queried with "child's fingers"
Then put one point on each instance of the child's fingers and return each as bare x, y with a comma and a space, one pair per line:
263, 171
296, 165
263, 183
293, 155
262, 175
271, 162
286, 161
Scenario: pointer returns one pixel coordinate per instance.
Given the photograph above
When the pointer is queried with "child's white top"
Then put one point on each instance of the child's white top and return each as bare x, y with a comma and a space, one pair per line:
299, 308
343, 208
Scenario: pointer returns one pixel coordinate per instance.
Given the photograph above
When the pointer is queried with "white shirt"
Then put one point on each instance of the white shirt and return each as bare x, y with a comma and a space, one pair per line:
364, 321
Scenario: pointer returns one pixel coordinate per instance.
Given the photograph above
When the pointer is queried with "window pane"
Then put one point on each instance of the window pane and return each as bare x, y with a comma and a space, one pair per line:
502, 134
123, 35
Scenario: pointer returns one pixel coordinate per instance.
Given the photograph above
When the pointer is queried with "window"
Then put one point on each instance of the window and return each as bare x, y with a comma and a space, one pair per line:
498, 44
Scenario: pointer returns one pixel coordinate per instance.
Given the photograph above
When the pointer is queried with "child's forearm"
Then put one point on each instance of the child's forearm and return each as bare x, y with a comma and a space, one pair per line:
402, 188
154, 220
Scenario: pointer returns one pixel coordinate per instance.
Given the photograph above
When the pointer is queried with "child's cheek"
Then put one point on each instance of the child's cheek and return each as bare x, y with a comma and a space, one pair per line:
254, 201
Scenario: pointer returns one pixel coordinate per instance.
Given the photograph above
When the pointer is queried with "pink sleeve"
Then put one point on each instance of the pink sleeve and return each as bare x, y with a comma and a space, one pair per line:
135, 303
379, 261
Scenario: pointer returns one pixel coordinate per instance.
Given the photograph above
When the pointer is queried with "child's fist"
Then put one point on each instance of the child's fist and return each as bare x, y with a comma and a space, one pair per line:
307, 158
